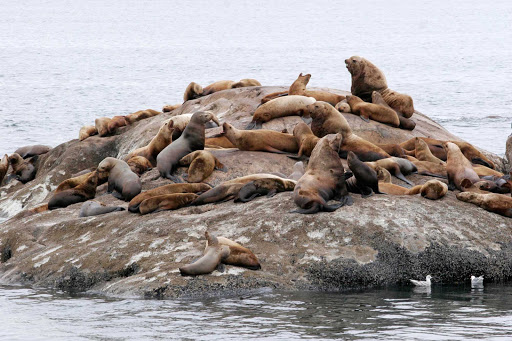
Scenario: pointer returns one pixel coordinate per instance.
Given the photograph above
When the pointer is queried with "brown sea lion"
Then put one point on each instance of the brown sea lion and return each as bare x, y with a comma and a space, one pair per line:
280, 107
398, 101
191, 139
431, 169
4, 166
122, 182
192, 91
383, 174
238, 255
245, 83
458, 167
503, 184
366, 77
134, 204
161, 140
92, 208
486, 171
115, 123
141, 115
298, 171
261, 140
87, 131
497, 203
268, 187
434, 189
80, 193
102, 125
299, 88
405, 123
202, 164
392, 189
366, 180
219, 140
139, 164
376, 112
327, 120
305, 139
217, 86
23, 170
343, 107
324, 179
391, 166
170, 107
229, 189
166, 202
80, 179
392, 149
435, 146
213, 255
422, 152
29, 151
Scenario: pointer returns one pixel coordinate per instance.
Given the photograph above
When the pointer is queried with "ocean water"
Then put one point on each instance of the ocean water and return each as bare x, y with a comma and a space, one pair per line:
64, 63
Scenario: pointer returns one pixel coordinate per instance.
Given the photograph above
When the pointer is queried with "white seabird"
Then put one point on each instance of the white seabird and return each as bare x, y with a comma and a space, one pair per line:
477, 281
422, 283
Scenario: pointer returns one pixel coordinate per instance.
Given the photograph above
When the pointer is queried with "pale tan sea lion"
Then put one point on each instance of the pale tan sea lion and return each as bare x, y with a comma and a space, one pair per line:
261, 140
238, 255
217, 86
305, 139
423, 153
497, 203
166, 202
213, 255
102, 125
141, 115
170, 107
245, 83
115, 123
372, 111
4, 166
434, 189
80, 179
161, 140
405, 123
87, 131
122, 182
280, 107
202, 164
139, 164
343, 107
392, 189
192, 91
431, 169
486, 171
267, 186
458, 167
80, 193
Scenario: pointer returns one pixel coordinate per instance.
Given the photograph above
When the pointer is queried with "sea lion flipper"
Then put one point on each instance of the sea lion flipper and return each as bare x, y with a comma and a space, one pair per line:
117, 195
348, 174
402, 177
479, 161
366, 119
272, 193
365, 193
175, 179
253, 125
313, 209
220, 267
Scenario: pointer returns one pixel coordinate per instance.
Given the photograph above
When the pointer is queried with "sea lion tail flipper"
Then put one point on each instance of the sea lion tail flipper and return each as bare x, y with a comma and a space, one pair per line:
482, 162
297, 157
253, 125
117, 195
366, 119
313, 209
307, 120
134, 208
402, 177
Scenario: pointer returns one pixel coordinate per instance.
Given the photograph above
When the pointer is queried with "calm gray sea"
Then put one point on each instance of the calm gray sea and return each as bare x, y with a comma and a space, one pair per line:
64, 63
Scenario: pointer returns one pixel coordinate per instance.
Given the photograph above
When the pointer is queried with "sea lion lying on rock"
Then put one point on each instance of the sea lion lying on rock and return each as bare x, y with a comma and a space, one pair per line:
305, 139
122, 182
497, 203
141, 115
139, 164
280, 107
166, 202
115, 123
458, 167
83, 192
80, 179
93, 208
87, 131
202, 164
372, 111
267, 186
170, 107
101, 124
245, 83
29, 151
405, 123
23, 170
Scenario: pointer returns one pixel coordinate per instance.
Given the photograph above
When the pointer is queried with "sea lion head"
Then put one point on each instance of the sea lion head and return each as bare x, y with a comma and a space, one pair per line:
226, 128
304, 78
334, 141
354, 65
203, 117
15, 159
106, 165
316, 109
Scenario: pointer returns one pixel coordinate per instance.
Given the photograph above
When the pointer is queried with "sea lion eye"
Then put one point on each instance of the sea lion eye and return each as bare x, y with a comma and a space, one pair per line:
353, 60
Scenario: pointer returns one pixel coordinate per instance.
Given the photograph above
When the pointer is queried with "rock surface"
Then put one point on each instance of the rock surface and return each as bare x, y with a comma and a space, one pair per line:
380, 240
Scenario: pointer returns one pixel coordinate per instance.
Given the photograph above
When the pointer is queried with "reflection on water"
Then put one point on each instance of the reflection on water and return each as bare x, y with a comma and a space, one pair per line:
443, 313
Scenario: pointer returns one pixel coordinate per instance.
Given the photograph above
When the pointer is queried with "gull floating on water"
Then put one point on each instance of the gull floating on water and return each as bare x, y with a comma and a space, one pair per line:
422, 283
477, 281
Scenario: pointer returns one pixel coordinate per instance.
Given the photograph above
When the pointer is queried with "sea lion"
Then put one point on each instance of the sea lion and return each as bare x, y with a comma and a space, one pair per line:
170, 107
229, 189
343, 107
260, 140
391, 166
299, 88
430, 169
202, 164
102, 125
191, 139
29, 151
392, 189
503, 184
486, 171
268, 187
134, 204
392, 149
31, 211
280, 107
115, 123
458, 167
376, 112
4, 166
245, 83
219, 140
23, 170
238, 255
406, 167
398, 101
80, 193
166, 202
327, 120
193, 91
405, 123
180, 122
80, 179
87, 131
217, 86
139, 164
298, 171
324, 179
141, 115
92, 208
434, 189
423, 153
122, 182
305, 139
212, 257
365, 177
383, 175
366, 77
161, 140
497, 203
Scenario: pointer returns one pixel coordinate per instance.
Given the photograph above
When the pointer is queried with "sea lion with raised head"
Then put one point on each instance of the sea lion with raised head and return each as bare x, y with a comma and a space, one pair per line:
372, 111
405, 123
23, 170
202, 164
80, 193
192, 139
366, 77
458, 167
213, 255
261, 140
180, 122
280, 107
193, 91
122, 182
93, 208
324, 179
161, 140
29, 151
422, 152
268, 187
305, 139
299, 88
134, 204
87, 131
139, 164
101, 124
365, 177
492, 202
166, 202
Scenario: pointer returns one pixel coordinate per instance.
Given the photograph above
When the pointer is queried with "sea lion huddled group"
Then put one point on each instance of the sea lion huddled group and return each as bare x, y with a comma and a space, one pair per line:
322, 181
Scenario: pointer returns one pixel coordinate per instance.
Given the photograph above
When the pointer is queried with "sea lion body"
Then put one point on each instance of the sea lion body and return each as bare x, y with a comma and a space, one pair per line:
80, 179
202, 164
115, 123
245, 83
134, 204
486, 171
139, 164
212, 257
305, 139
392, 149
161, 140
434, 189
140, 115
80, 193
87, 131
458, 167
398, 101
180, 122
299, 88
29, 151
366, 178
268, 187
430, 169
238, 255
261, 140
405, 123
280, 107
343, 107
218, 141
497, 203
366, 77
93, 208
193, 91
392, 189
372, 111
391, 166
217, 86
192, 139
102, 125
166, 202
170, 107
423, 153
4, 167
324, 179
24, 170
121, 179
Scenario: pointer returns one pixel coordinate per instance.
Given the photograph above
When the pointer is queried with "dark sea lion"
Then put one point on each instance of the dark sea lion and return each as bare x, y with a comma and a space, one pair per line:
80, 193
305, 139
372, 111
192, 139
115, 123
87, 131
180, 122
280, 107
134, 204
405, 123
4, 166
161, 140
29, 151
245, 83
139, 164
458, 167
202, 164
102, 125
122, 182
212, 257
166, 202
497, 203
365, 177
92, 208
298, 171
268, 187
261, 140
324, 179
23, 170
238, 255
141, 115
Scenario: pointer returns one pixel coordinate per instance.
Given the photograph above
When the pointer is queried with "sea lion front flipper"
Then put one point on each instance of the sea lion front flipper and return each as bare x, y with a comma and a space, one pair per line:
307, 120
365, 193
366, 119
117, 195
253, 125
332, 208
220, 267
402, 177
347, 200
313, 209
175, 179
479, 161
274, 150
272, 193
